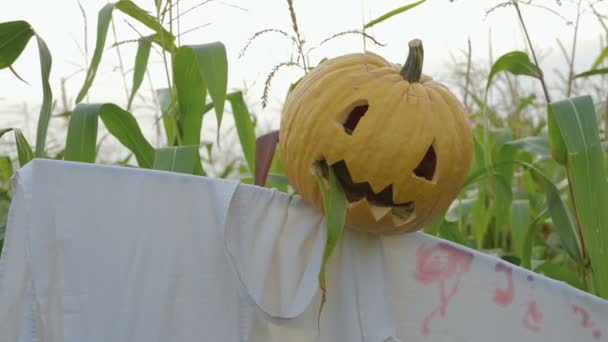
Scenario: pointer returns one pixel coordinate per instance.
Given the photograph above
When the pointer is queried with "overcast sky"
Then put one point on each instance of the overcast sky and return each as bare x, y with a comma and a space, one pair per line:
443, 27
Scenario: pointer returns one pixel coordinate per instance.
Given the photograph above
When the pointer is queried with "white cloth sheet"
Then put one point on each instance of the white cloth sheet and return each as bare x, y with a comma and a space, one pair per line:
102, 253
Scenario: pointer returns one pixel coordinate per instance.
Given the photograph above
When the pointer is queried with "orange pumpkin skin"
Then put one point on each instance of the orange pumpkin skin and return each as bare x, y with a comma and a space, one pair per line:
413, 139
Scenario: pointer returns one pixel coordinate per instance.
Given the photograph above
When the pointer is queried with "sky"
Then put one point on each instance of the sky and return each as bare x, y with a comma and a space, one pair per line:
443, 26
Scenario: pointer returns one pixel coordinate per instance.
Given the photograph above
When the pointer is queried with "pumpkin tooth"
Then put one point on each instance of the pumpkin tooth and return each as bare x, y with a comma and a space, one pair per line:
386, 221
368, 211
403, 214
379, 212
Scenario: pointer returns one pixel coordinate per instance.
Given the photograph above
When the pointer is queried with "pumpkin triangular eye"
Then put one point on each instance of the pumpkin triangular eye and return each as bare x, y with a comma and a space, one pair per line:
353, 118
428, 164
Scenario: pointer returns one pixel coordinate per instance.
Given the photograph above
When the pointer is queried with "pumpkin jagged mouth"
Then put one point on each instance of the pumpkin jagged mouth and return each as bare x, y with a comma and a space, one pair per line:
355, 192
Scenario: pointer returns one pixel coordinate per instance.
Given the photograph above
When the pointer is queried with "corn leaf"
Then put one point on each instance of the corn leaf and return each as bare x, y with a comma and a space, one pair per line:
451, 232
191, 89
168, 115
560, 215
502, 183
24, 150
576, 118
392, 14
459, 210
180, 159
103, 22
538, 146
123, 126
592, 72
46, 62
600, 58
244, 128
530, 238
278, 181
81, 141
141, 63
520, 223
4, 131
14, 36
6, 169
481, 213
556, 141
515, 62
131, 9
276, 178
213, 64
191, 94
560, 272
334, 203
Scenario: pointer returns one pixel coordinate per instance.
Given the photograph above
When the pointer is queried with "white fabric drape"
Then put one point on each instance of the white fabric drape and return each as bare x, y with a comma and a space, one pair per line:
103, 253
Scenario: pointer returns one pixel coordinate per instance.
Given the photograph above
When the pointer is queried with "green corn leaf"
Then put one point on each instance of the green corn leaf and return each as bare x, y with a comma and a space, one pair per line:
277, 181
81, 141
168, 115
6, 169
520, 223
244, 128
502, 183
560, 272
6, 172
14, 36
459, 209
191, 89
141, 63
451, 232
481, 214
560, 215
46, 62
228, 169
123, 126
276, 177
103, 22
213, 64
191, 94
600, 58
334, 203
4, 131
180, 159
392, 14
530, 237
24, 149
538, 146
131, 9
592, 72
515, 62
479, 162
576, 118
81, 144
556, 141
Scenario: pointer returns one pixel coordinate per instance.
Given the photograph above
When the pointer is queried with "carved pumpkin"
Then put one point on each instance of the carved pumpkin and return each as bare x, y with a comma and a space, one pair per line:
398, 141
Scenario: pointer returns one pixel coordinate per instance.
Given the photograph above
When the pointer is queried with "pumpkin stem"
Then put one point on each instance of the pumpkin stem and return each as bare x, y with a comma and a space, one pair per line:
412, 69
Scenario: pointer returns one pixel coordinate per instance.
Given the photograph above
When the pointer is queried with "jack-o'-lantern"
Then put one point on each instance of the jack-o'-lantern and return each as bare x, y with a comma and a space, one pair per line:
398, 141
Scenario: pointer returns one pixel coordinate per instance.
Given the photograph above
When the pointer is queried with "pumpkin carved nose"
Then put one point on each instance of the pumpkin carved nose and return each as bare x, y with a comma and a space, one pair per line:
353, 118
